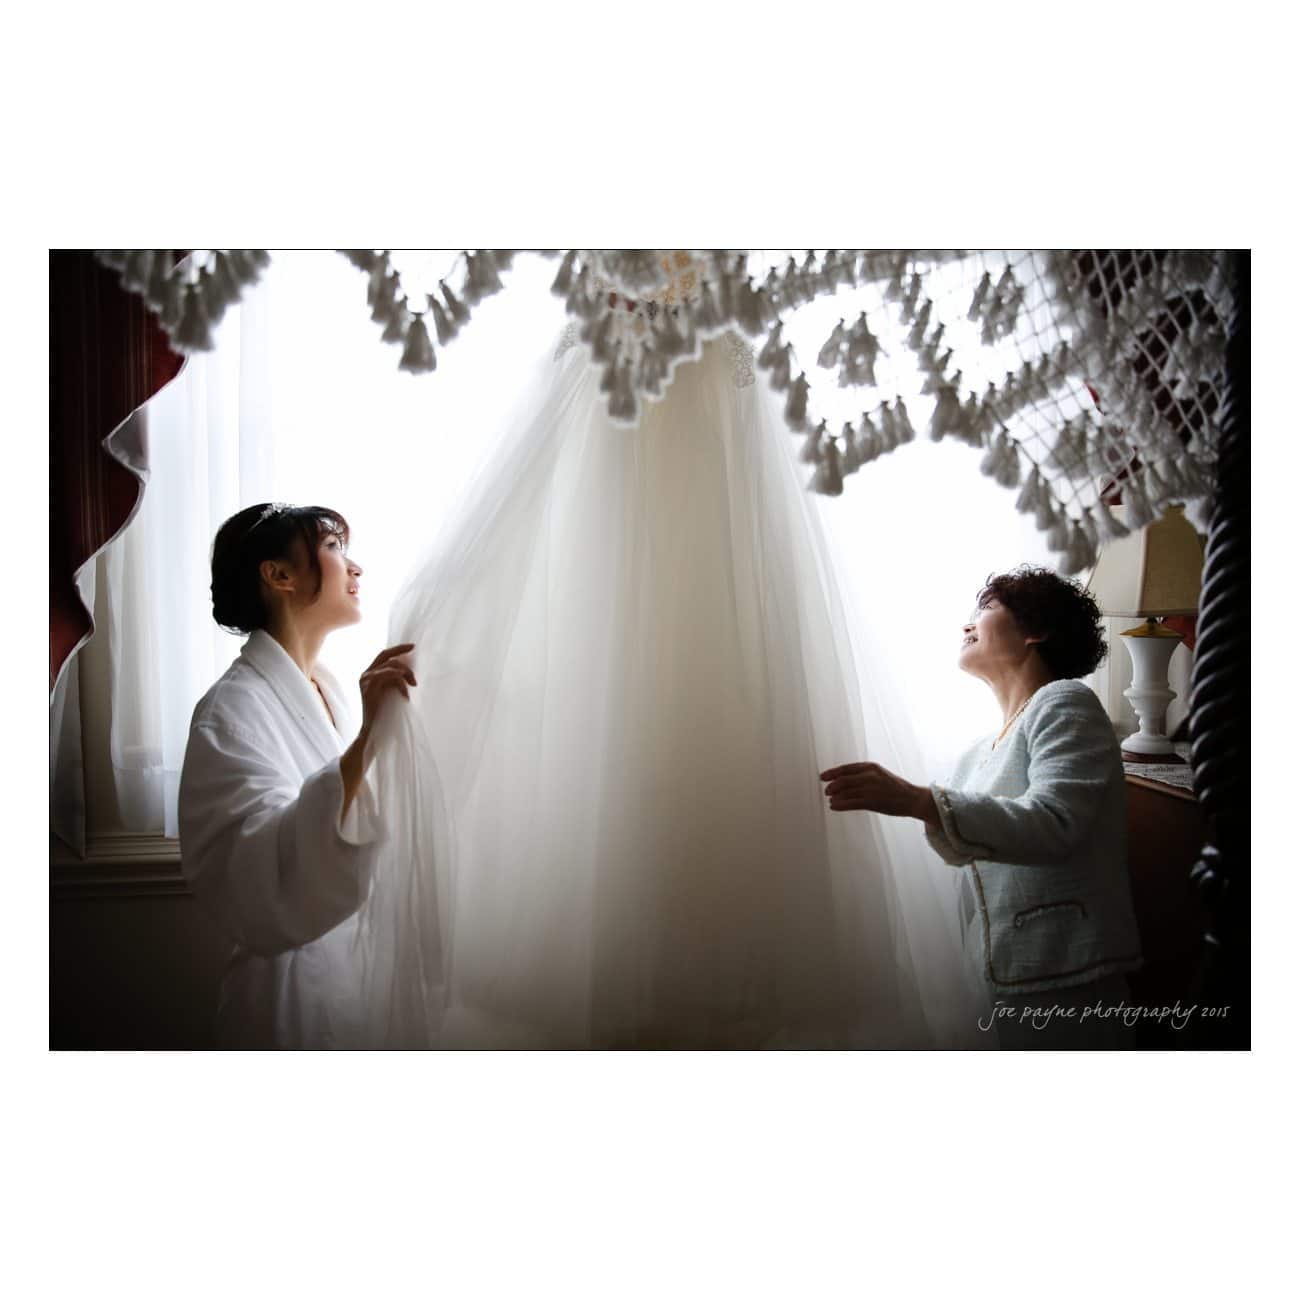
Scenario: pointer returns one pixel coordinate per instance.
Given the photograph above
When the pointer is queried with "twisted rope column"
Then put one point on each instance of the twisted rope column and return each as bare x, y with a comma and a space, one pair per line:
1220, 708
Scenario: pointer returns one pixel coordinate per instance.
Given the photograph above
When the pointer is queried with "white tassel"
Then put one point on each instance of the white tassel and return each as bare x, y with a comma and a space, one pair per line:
796, 406
648, 378
1079, 554
749, 309
170, 301
790, 291
989, 331
903, 425
869, 441
1137, 509
987, 419
829, 356
1011, 310
386, 298
395, 330
947, 417
193, 334
581, 302
598, 333
136, 269
726, 298
850, 461
775, 294
1109, 528
780, 377
623, 405
690, 340
939, 381
938, 368
916, 335
1029, 493
473, 289
362, 258
214, 296
989, 461
563, 282
809, 279
1156, 488
811, 451
609, 375
155, 293
1058, 535
443, 327
489, 280
888, 429
1065, 454
981, 292
829, 480
706, 309
908, 309
1045, 510
418, 355
224, 274
378, 274
668, 342
1008, 471
771, 349
1088, 526
459, 313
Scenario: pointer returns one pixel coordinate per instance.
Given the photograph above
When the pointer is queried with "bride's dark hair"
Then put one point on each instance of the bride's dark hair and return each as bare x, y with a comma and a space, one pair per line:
263, 532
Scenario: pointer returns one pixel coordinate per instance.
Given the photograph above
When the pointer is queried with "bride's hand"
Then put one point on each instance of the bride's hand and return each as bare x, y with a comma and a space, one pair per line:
868, 787
388, 672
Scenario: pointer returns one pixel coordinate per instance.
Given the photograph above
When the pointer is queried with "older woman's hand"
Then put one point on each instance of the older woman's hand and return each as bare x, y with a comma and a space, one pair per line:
868, 787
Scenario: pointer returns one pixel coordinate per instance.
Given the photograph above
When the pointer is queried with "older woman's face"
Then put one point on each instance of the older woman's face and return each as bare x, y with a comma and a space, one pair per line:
992, 640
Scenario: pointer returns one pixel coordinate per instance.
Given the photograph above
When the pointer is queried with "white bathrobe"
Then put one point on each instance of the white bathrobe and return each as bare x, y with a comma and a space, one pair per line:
264, 846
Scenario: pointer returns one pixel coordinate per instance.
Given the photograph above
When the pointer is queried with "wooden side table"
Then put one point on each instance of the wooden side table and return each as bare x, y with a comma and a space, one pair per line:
1166, 830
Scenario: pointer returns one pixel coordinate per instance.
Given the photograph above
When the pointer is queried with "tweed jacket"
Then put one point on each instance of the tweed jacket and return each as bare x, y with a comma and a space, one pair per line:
1039, 824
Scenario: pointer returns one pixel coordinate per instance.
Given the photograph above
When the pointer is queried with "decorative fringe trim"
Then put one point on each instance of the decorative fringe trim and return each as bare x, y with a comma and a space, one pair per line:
418, 355
796, 405
1181, 297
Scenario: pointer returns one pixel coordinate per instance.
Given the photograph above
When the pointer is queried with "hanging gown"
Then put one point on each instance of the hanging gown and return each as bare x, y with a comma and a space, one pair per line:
633, 664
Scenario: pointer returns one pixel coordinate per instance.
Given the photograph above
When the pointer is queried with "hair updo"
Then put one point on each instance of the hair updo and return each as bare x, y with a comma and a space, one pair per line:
263, 532
1061, 611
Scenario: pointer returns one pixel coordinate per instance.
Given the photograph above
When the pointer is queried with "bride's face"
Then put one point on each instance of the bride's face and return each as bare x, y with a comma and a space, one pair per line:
339, 602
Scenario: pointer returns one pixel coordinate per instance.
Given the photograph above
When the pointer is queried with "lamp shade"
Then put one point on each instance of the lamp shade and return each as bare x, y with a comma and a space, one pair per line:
1152, 572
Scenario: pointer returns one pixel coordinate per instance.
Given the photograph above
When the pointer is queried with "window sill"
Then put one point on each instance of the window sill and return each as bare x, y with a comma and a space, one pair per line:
119, 865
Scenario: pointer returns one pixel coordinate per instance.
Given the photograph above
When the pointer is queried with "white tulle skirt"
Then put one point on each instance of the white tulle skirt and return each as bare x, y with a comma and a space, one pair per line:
606, 824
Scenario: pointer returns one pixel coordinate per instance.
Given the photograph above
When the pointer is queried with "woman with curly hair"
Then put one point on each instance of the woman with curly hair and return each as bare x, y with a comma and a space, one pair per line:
1035, 818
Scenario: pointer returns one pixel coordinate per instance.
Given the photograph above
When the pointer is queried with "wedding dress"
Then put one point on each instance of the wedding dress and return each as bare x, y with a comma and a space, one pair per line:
605, 821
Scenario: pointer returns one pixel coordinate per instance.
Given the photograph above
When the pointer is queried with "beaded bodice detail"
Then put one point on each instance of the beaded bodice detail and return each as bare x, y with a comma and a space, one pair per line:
638, 339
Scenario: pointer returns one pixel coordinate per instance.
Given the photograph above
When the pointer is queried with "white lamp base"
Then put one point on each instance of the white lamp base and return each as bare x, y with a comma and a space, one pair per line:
1150, 647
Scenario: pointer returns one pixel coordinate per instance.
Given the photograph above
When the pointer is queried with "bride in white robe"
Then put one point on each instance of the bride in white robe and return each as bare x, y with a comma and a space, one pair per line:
635, 663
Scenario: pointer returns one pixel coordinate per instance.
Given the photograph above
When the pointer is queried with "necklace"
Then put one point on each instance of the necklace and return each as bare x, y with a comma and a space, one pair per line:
1010, 722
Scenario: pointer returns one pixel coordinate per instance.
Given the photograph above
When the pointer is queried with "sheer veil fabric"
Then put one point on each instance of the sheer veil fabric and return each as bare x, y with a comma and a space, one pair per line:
606, 827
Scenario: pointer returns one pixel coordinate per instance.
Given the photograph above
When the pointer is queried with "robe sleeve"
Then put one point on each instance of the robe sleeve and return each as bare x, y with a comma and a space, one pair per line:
1073, 756
279, 864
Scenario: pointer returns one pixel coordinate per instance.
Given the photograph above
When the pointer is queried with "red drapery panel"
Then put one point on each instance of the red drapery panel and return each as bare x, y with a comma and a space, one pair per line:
108, 355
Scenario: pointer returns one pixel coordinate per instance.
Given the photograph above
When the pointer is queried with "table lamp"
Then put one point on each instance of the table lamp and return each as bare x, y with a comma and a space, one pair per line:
1152, 573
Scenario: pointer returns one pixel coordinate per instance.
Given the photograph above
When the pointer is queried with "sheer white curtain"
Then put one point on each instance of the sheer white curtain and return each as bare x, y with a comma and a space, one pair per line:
302, 402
